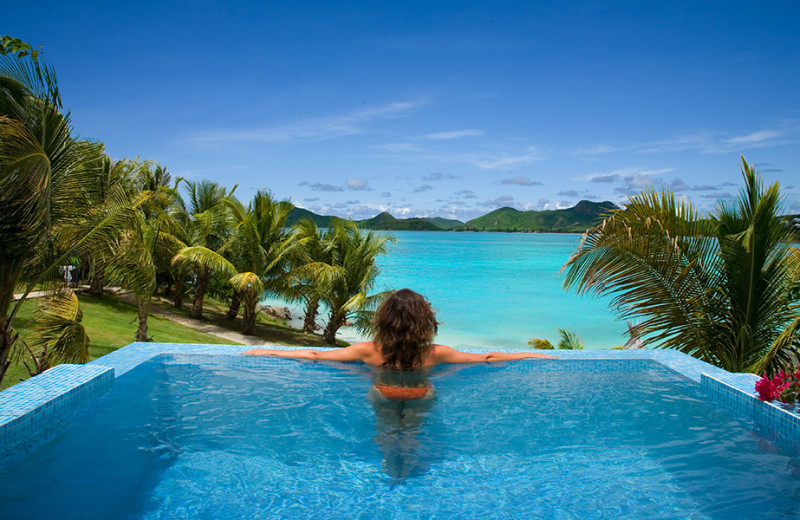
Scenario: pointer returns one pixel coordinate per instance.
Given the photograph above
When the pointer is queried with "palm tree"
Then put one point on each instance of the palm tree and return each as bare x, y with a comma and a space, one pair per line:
308, 263
109, 176
184, 232
44, 184
715, 288
211, 225
259, 249
146, 245
204, 262
345, 290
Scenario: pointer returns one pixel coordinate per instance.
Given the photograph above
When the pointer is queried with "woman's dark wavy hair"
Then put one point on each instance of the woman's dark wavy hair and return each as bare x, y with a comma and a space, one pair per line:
405, 326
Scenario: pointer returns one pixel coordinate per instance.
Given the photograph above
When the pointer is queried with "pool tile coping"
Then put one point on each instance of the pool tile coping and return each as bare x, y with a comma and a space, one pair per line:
38, 407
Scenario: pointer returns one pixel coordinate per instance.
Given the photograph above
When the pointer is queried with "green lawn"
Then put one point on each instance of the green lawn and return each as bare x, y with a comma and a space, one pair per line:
111, 324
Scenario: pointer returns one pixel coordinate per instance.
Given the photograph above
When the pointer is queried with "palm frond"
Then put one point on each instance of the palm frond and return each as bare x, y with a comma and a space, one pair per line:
540, 344
198, 257
247, 283
569, 340
58, 334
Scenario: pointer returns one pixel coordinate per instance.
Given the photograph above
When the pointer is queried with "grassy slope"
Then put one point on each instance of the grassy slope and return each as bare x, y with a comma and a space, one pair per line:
111, 324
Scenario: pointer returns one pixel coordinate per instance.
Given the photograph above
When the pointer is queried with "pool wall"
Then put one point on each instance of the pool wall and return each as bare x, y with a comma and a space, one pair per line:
35, 410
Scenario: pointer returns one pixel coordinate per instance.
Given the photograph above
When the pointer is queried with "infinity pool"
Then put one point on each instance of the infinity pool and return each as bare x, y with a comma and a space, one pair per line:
227, 437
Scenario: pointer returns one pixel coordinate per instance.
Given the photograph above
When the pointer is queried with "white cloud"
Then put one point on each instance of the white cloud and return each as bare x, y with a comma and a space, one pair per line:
520, 181
501, 201
678, 185
436, 176
716, 142
399, 147
311, 129
622, 173
597, 149
319, 186
754, 137
466, 194
704, 141
506, 160
357, 184
455, 134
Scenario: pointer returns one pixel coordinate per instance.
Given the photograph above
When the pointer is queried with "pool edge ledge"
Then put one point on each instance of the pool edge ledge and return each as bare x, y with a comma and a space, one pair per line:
37, 408
737, 398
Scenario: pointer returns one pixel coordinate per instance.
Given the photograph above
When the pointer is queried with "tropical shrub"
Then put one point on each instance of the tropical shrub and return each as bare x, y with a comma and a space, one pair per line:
46, 185
717, 287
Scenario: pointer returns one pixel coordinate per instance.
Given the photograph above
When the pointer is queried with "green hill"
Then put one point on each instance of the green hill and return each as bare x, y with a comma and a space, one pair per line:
298, 214
385, 221
445, 223
572, 220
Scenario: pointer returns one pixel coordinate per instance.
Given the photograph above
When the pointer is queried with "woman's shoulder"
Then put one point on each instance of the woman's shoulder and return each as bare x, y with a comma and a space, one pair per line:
368, 352
439, 353
364, 345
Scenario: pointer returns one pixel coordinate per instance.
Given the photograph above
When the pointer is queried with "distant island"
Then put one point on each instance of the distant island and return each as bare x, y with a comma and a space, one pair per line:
576, 219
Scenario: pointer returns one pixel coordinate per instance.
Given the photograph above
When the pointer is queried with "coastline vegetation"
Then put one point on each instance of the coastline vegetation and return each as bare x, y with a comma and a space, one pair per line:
722, 288
569, 340
73, 214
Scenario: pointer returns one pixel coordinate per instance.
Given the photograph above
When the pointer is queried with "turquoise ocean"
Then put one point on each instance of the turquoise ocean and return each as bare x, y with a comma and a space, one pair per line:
495, 290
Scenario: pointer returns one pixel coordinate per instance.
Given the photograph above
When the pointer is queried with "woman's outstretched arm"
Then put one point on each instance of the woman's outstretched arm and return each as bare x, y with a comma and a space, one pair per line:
445, 354
355, 352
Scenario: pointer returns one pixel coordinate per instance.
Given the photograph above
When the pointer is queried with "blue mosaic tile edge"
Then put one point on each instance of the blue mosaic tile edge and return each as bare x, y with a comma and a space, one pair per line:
737, 398
34, 410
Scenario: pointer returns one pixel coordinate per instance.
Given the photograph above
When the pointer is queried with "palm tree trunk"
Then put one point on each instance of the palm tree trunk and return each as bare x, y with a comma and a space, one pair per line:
200, 294
312, 309
8, 281
178, 293
250, 313
336, 321
40, 363
6, 341
96, 285
144, 306
233, 310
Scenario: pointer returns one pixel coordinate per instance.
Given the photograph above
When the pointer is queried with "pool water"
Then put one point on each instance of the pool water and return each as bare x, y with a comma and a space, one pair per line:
185, 436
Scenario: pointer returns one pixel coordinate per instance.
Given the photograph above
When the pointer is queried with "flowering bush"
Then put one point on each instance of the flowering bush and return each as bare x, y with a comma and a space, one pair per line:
784, 387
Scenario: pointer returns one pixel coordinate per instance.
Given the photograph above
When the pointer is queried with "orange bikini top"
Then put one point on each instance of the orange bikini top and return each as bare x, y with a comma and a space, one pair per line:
402, 393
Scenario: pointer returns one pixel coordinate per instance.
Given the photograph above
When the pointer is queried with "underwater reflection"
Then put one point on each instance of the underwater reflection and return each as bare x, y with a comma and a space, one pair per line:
402, 401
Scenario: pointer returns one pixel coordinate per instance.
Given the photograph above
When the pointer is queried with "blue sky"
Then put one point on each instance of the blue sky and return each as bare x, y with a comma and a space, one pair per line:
435, 108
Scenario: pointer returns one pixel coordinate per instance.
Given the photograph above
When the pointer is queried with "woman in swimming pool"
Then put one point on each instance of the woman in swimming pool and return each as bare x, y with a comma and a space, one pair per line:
405, 326
401, 394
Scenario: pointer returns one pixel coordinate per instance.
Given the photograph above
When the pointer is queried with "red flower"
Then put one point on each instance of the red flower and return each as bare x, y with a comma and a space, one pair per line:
783, 386
766, 389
